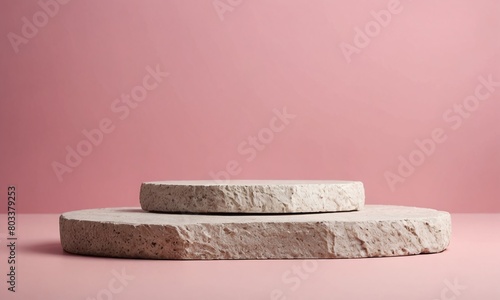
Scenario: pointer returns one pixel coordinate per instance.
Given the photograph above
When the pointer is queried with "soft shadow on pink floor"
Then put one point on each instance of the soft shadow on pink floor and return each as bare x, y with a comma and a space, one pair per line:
50, 247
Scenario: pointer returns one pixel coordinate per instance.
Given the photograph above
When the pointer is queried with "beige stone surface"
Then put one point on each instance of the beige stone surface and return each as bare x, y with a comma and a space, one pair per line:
372, 232
252, 196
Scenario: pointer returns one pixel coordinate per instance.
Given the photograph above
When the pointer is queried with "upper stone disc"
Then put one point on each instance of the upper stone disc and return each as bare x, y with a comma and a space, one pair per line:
267, 196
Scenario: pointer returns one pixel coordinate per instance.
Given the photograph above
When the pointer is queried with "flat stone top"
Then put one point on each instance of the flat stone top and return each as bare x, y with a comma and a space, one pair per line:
136, 216
248, 182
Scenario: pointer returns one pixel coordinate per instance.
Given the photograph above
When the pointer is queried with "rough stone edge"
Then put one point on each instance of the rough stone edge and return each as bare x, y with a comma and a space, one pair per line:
222, 203
176, 247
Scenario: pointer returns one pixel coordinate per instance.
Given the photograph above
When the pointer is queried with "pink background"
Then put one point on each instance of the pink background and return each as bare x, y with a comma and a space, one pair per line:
226, 76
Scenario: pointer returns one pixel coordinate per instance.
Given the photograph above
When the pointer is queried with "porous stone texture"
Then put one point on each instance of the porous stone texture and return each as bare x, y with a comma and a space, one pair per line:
372, 232
252, 196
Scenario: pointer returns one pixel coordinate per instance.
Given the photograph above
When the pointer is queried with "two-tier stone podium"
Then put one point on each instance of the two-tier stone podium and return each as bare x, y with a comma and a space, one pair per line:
254, 220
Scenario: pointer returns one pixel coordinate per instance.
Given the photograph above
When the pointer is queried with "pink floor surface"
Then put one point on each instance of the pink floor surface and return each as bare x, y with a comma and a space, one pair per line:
469, 269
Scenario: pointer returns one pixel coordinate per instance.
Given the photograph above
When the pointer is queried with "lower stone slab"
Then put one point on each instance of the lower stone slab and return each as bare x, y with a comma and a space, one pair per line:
375, 231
